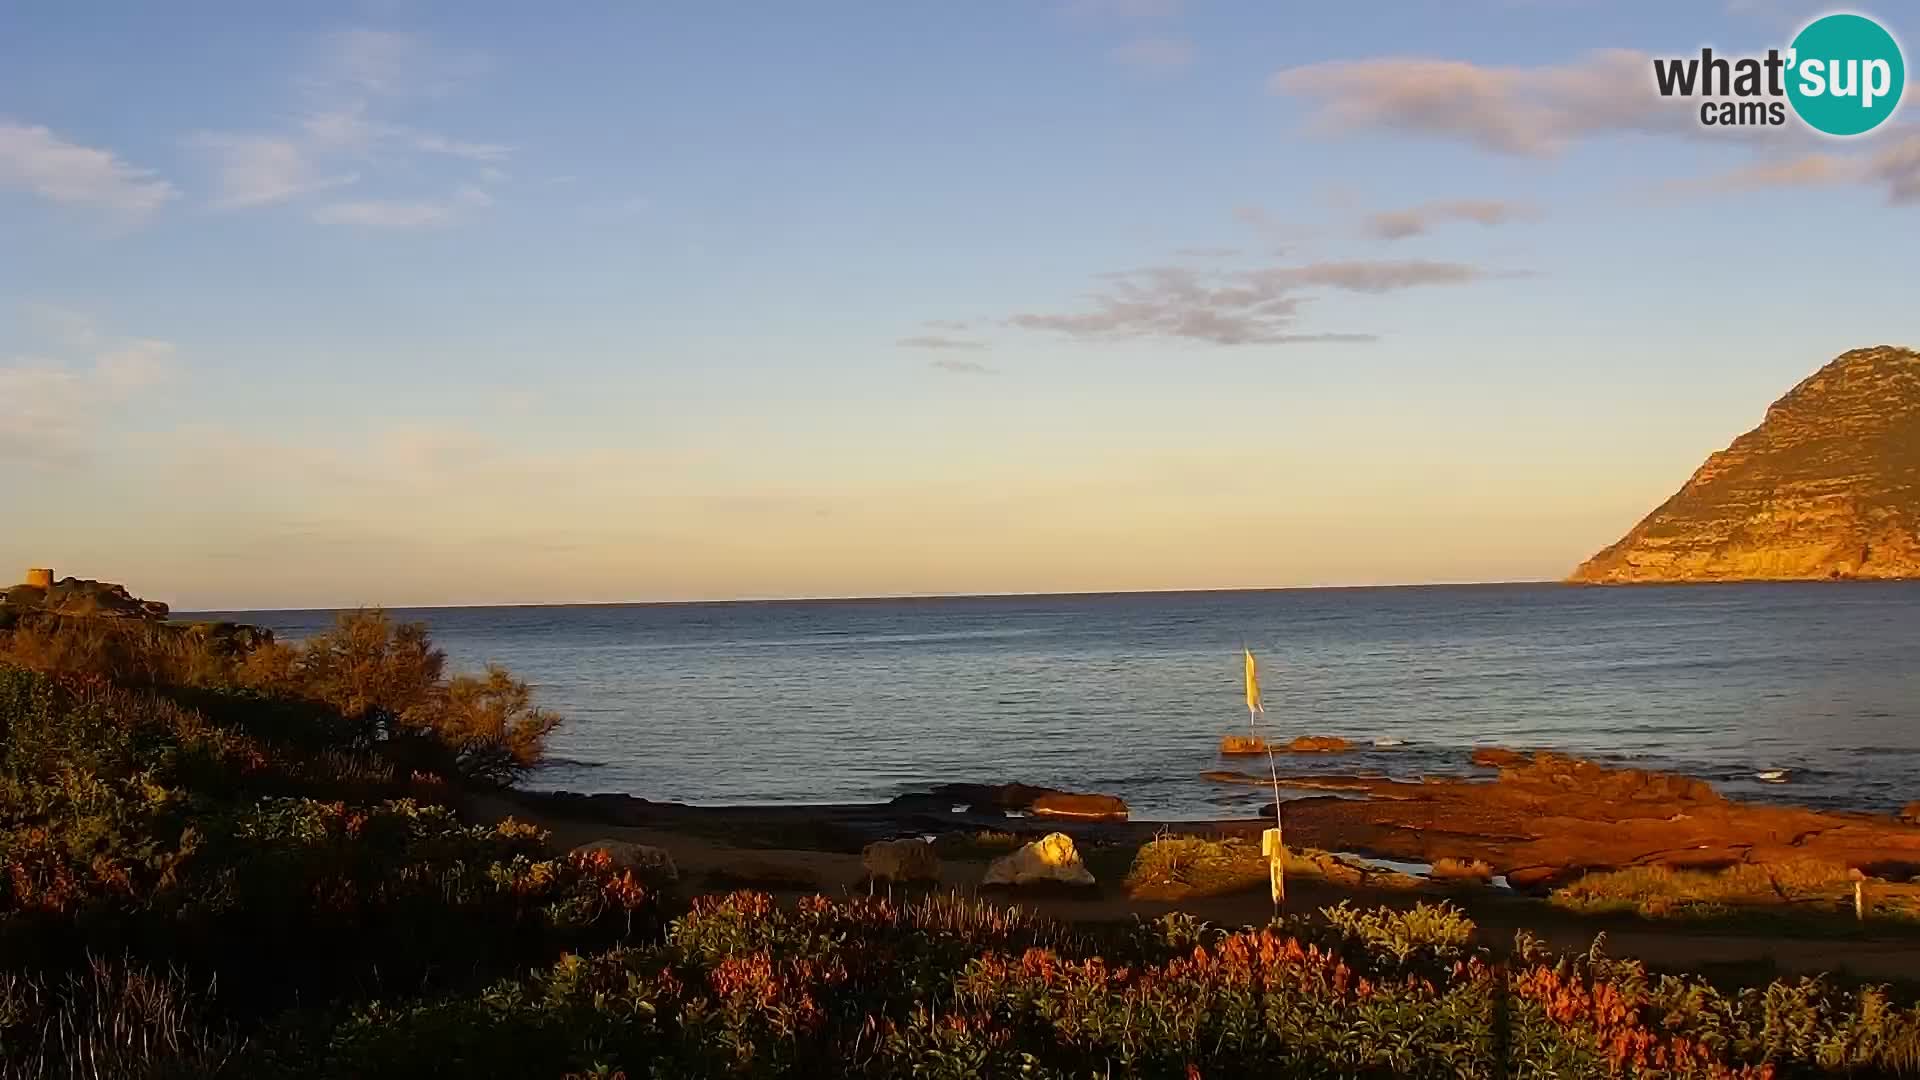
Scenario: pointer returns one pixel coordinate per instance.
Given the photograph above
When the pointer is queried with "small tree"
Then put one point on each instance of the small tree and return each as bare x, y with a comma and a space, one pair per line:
389, 678
492, 726
385, 676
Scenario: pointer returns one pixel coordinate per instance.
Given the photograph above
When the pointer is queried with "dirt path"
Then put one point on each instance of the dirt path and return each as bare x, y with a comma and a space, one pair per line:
708, 864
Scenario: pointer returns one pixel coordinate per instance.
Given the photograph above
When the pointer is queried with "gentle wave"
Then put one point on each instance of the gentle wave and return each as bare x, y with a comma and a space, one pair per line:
850, 701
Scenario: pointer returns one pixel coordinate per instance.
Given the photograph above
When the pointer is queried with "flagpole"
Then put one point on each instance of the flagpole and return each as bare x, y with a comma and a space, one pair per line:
1277, 859
1276, 851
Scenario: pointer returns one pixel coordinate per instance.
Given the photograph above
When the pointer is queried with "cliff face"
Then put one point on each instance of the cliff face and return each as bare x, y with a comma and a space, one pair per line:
1828, 486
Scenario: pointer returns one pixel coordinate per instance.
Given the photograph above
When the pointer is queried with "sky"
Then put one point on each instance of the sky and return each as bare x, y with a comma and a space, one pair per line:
405, 303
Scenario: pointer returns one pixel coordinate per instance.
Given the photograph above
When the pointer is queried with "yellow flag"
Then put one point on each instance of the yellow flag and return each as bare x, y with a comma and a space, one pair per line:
1253, 684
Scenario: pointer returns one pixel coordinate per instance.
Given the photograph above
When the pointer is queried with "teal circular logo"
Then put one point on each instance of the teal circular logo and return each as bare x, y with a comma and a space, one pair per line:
1845, 74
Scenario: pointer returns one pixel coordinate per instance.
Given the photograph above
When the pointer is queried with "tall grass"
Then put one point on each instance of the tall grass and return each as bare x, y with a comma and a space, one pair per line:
111, 1021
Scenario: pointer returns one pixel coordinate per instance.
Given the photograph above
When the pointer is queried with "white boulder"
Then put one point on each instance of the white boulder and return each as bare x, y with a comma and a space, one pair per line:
1051, 858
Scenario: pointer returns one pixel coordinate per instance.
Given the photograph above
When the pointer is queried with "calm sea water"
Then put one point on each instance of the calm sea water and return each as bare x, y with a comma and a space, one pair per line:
831, 701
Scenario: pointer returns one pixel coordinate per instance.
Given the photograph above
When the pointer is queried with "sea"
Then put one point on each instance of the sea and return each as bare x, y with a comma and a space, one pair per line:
835, 701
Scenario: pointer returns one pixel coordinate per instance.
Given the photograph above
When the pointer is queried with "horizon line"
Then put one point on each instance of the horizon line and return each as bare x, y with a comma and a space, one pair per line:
884, 597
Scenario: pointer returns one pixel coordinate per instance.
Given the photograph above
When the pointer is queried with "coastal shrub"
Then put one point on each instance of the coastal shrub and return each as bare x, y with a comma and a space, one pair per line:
1754, 890
1185, 867
129, 651
387, 682
131, 823
490, 723
1175, 867
953, 988
1430, 933
1590, 1015
295, 897
979, 844
367, 683
742, 986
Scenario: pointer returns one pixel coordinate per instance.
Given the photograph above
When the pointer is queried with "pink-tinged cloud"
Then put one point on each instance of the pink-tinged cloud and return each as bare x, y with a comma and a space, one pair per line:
1243, 307
1530, 111
1415, 220
1893, 165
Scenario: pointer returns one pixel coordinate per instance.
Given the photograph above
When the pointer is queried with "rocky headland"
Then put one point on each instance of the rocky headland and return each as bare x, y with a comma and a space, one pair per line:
1826, 488
77, 597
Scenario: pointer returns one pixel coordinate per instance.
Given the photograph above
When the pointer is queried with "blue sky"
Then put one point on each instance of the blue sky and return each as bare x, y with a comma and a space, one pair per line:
409, 303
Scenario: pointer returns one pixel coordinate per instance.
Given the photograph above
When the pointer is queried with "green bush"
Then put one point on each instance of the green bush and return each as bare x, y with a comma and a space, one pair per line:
365, 684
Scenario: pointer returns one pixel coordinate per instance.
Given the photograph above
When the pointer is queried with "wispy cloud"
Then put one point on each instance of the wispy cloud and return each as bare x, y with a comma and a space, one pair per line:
429, 143
402, 214
946, 324
1246, 307
258, 170
1124, 9
1811, 170
1414, 220
937, 341
1530, 111
1155, 55
955, 366
1207, 252
51, 408
339, 140
1894, 166
941, 343
388, 63
34, 159
1541, 111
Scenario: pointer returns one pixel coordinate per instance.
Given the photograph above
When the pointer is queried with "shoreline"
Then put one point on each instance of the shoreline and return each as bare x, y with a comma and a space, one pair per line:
791, 851
1544, 821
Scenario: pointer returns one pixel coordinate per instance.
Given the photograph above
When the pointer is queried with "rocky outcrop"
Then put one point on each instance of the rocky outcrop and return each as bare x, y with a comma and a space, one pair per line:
1072, 807
1911, 813
1041, 802
1553, 818
649, 864
1827, 487
1318, 744
1557, 778
1498, 757
1048, 860
1246, 745
82, 597
901, 861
